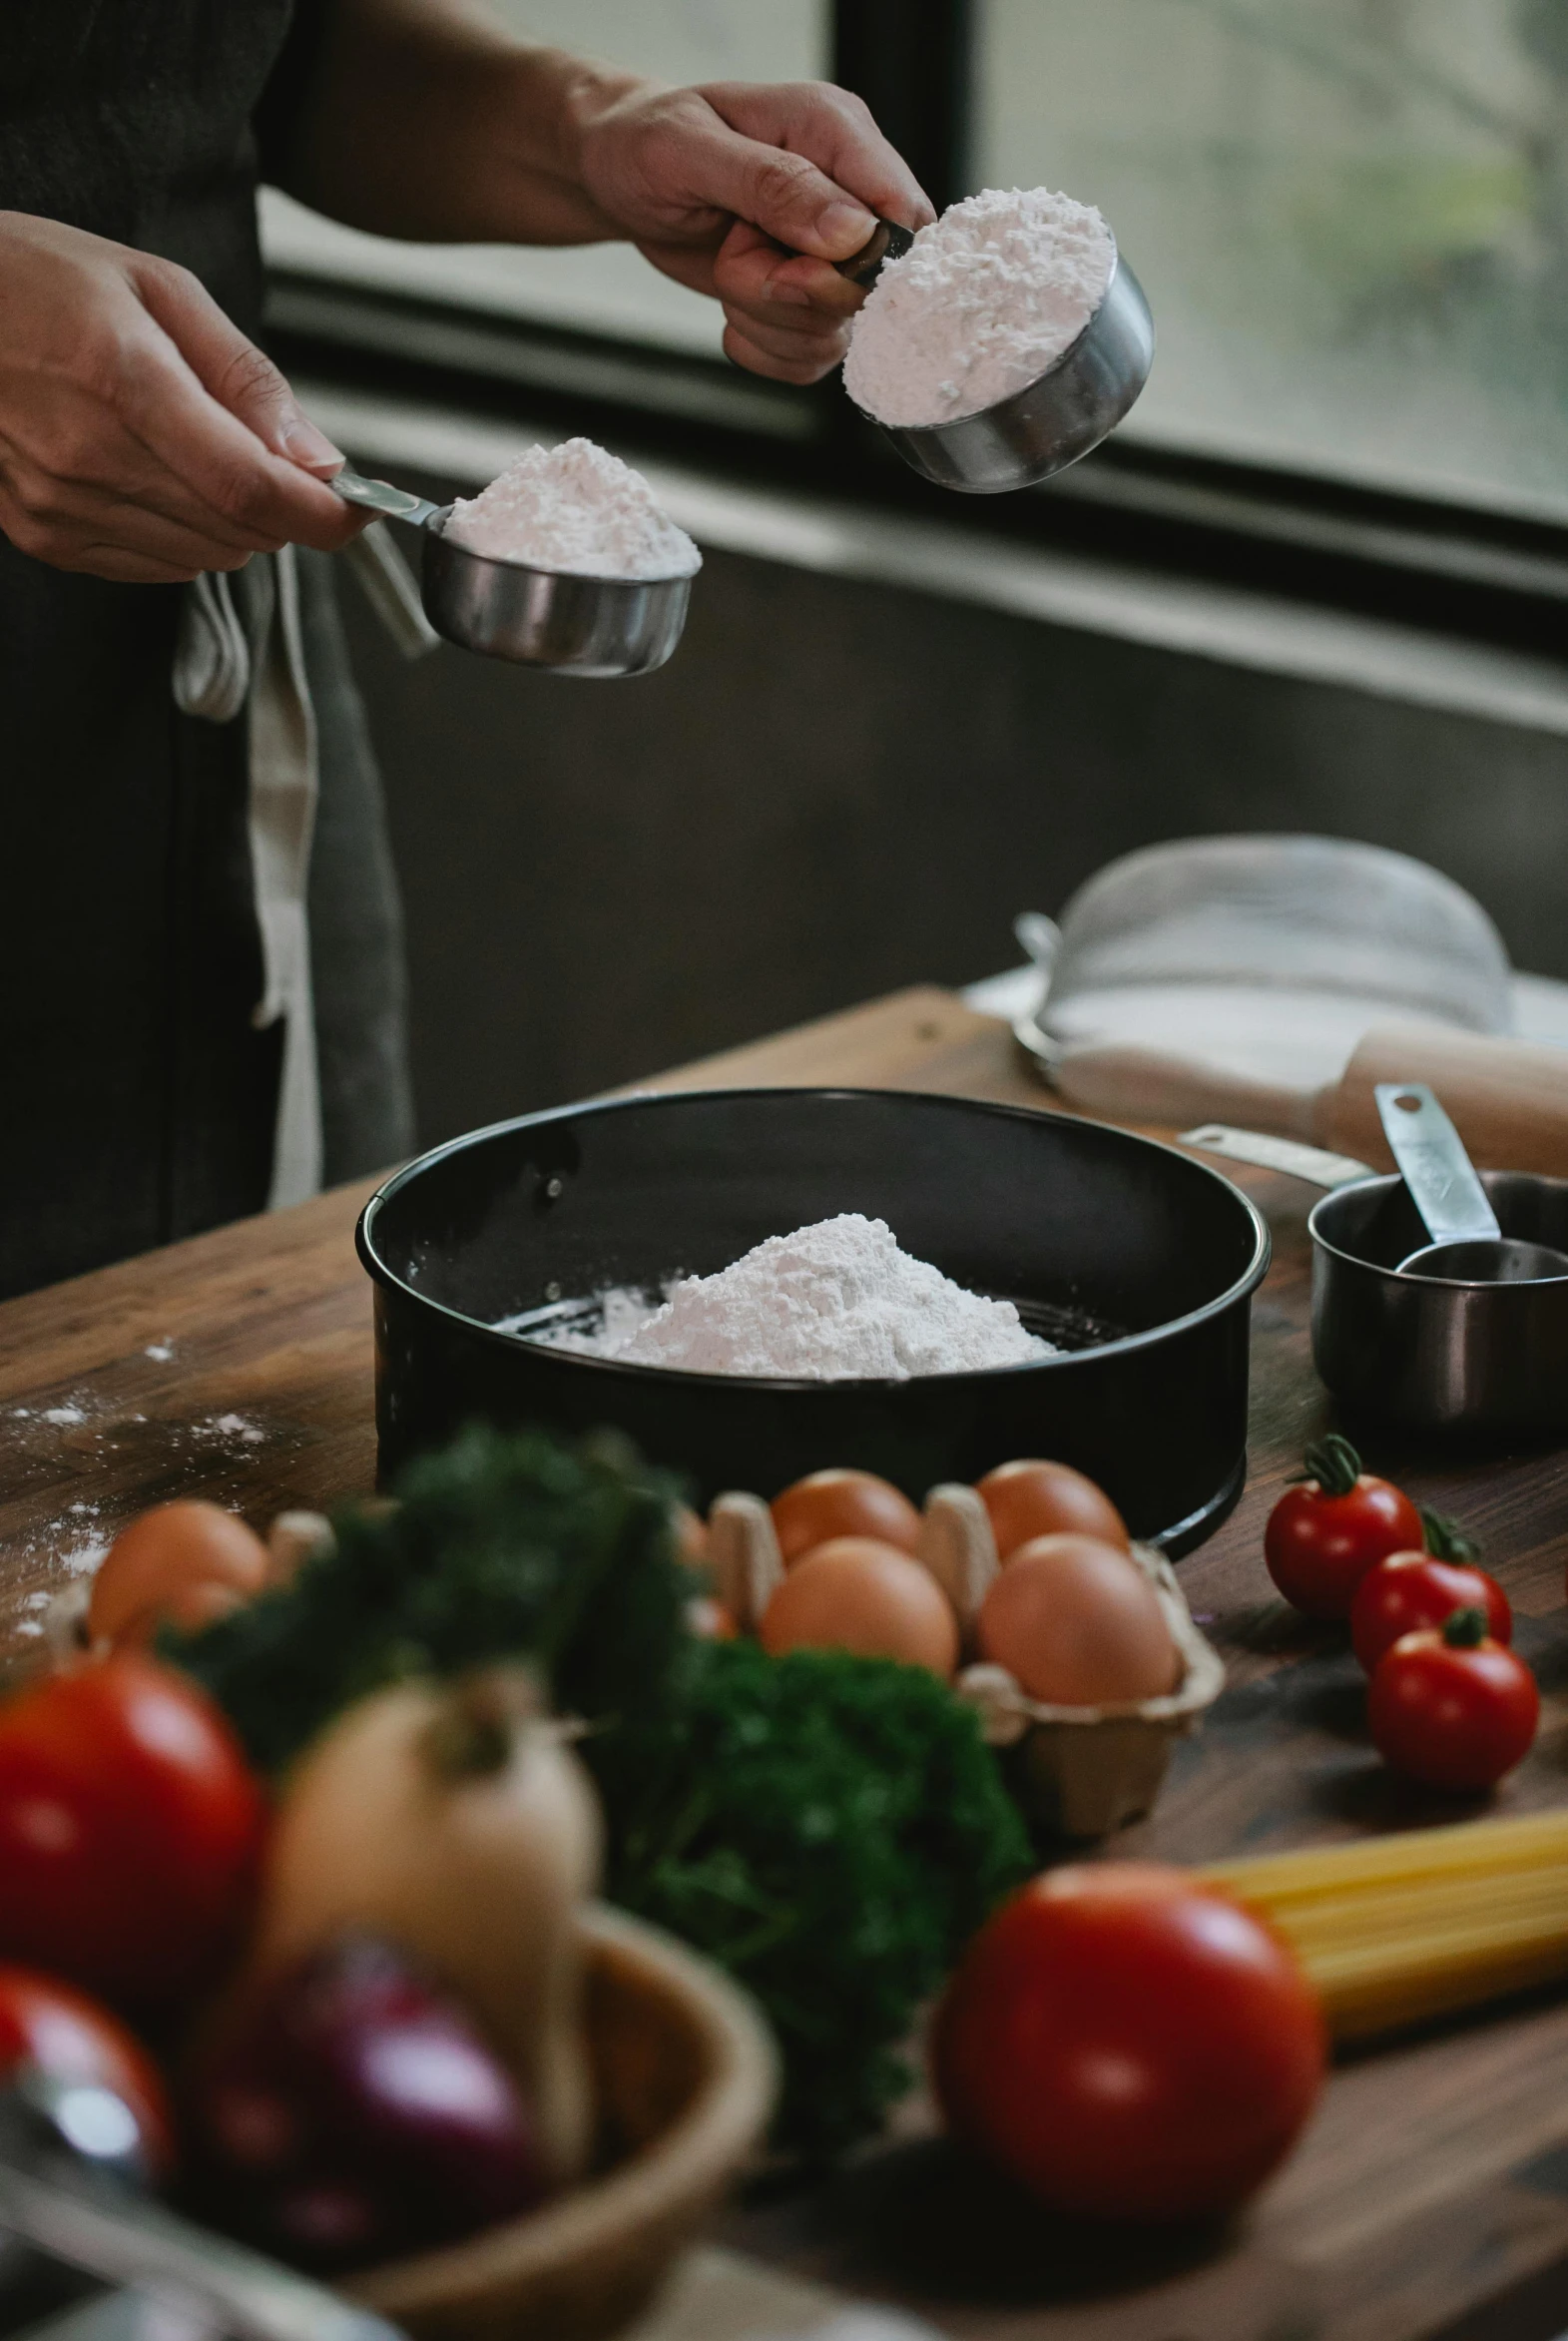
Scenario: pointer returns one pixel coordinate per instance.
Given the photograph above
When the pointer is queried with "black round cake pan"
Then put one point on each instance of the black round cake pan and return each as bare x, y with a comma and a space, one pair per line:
1137, 1262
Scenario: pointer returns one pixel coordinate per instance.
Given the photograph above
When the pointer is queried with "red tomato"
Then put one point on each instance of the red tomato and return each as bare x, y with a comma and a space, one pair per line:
44, 2023
1326, 1533
129, 1831
842, 1503
1407, 1591
1129, 2044
1451, 1708
1031, 1499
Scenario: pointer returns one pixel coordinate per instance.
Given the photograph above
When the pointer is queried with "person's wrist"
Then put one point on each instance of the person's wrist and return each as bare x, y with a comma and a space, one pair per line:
587, 96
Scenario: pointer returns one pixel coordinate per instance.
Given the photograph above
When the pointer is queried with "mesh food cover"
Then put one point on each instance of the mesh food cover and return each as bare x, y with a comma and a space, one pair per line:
1267, 957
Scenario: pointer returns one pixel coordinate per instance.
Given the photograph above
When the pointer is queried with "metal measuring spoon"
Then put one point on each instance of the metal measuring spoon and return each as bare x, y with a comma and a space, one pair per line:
70, 2170
596, 627
1058, 417
1467, 1246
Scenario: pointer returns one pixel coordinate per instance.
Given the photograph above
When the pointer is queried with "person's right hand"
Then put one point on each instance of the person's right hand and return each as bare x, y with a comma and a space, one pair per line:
142, 436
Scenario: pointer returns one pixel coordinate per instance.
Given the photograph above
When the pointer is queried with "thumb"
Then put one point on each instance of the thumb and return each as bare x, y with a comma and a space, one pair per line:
784, 194
233, 371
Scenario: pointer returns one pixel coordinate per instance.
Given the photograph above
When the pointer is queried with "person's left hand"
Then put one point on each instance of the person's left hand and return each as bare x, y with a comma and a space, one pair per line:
749, 192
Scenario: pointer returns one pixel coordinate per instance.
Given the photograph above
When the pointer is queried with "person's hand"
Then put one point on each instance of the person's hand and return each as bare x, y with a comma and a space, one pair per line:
751, 193
142, 436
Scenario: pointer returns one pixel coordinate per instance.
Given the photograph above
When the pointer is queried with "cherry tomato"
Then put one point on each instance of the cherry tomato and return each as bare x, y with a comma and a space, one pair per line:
48, 2025
1031, 1499
842, 1503
129, 1831
1129, 2044
179, 1565
1407, 1591
1451, 1708
1326, 1533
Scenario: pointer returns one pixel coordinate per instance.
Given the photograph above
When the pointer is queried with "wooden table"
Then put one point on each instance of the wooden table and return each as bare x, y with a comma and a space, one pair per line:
1431, 2191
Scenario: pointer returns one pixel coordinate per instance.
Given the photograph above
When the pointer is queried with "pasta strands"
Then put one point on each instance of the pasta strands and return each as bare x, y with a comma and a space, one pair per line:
1394, 1929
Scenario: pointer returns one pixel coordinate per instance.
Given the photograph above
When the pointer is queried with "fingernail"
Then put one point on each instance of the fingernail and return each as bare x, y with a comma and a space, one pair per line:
847, 224
303, 444
784, 288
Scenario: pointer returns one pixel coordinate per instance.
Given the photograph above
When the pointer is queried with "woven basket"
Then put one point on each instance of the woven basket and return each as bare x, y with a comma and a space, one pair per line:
685, 2074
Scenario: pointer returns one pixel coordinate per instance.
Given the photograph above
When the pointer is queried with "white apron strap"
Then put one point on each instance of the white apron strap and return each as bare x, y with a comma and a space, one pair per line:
283, 789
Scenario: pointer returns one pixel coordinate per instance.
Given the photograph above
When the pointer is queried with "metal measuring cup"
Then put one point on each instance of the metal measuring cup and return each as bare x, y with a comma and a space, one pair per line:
597, 627
1431, 1351
1052, 421
1467, 1244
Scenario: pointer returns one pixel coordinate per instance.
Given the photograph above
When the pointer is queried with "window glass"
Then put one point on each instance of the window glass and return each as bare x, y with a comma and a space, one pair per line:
1350, 218
598, 287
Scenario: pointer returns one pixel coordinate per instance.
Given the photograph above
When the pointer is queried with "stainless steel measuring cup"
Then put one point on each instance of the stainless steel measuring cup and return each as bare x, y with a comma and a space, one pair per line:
1434, 1352
1466, 1241
1058, 417
599, 628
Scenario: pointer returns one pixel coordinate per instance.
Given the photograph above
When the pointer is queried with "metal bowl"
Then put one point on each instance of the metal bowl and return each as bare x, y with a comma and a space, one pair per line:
1438, 1351
596, 627
1055, 419
1138, 1262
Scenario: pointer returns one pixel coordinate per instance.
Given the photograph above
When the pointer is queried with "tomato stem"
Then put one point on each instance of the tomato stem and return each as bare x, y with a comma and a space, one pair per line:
1445, 1539
1333, 1462
1466, 1629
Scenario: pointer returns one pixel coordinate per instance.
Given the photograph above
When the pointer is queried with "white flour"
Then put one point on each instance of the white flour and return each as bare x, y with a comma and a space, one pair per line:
982, 303
576, 508
838, 1302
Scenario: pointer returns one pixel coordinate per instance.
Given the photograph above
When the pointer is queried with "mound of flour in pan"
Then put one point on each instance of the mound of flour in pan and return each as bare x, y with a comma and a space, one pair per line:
982, 303
577, 508
836, 1302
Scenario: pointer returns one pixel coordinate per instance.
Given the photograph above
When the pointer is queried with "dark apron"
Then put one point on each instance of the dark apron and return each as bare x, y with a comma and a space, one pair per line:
137, 1101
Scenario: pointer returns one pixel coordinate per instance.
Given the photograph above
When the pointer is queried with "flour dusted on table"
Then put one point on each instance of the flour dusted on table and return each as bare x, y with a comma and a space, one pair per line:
980, 304
836, 1302
576, 508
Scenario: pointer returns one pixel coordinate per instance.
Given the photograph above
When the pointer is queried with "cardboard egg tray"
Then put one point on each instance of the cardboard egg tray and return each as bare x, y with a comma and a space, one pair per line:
1081, 1770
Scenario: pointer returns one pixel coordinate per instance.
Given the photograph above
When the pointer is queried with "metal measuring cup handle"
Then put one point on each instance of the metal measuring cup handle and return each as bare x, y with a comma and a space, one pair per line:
887, 242
69, 2170
379, 496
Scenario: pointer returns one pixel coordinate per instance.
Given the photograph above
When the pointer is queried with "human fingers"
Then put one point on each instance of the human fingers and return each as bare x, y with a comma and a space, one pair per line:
744, 346
751, 272
264, 496
820, 347
240, 376
835, 135
75, 527
125, 568
86, 461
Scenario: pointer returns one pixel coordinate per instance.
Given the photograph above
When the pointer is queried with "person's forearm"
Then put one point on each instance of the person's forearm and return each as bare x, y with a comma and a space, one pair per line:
426, 119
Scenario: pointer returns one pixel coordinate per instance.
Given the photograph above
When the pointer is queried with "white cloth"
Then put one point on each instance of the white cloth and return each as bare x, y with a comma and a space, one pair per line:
218, 663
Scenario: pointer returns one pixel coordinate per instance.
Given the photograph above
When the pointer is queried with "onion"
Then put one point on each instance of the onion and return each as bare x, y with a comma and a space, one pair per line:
455, 1822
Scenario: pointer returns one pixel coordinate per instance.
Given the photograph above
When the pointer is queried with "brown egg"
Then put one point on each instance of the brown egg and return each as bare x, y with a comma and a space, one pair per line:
1078, 1624
1035, 1498
690, 1534
199, 1602
842, 1503
855, 1593
161, 1567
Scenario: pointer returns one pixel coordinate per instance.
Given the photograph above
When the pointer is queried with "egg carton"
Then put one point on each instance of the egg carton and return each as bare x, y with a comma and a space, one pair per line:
1080, 1771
